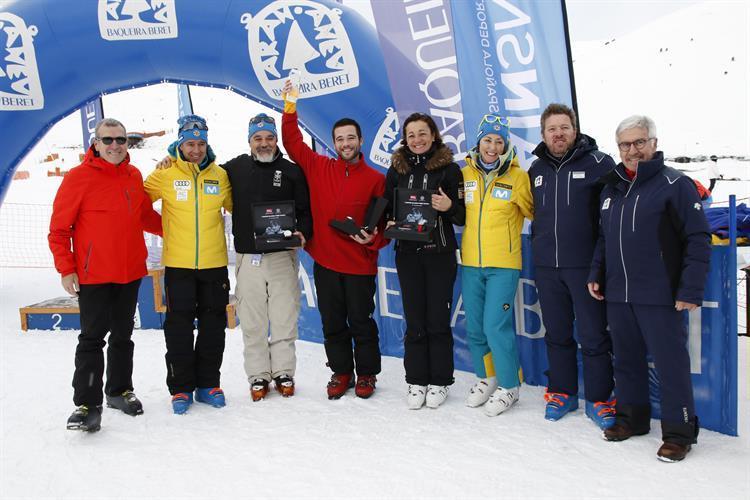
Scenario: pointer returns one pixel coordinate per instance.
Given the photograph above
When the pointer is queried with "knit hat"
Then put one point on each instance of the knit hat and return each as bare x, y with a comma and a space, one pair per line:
494, 124
259, 123
192, 127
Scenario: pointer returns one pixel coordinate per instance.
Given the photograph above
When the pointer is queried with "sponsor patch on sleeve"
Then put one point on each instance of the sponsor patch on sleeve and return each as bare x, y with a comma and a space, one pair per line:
605, 205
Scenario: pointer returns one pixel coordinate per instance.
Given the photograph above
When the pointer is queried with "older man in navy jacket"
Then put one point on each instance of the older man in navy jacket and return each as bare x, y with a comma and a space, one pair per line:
651, 263
565, 183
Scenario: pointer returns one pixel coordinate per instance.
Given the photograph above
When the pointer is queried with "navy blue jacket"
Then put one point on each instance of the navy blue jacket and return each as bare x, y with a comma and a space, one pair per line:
566, 203
654, 245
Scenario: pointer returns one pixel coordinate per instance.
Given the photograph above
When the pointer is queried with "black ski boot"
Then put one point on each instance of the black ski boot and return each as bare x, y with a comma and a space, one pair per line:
126, 402
86, 418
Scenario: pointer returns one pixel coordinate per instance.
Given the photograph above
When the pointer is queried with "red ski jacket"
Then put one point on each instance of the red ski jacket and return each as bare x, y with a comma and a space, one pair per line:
337, 190
104, 210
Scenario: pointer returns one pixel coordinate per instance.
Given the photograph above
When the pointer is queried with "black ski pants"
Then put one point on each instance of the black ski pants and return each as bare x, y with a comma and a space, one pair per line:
108, 307
427, 281
201, 294
346, 306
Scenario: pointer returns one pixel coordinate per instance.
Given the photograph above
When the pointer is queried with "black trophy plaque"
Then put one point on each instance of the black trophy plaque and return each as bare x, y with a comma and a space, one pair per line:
415, 217
372, 217
274, 226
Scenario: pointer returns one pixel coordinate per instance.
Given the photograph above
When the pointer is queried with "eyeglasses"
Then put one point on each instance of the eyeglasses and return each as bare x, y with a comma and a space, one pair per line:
494, 118
258, 119
639, 144
108, 140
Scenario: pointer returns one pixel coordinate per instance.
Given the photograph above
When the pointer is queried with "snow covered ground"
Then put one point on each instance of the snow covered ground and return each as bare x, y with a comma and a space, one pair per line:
308, 446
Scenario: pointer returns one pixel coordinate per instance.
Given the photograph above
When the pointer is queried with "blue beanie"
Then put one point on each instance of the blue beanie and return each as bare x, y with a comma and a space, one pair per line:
259, 123
192, 127
494, 124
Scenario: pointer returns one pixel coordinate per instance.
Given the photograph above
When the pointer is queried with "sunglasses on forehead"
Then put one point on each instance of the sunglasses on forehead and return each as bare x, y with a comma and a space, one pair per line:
193, 125
108, 140
494, 118
264, 119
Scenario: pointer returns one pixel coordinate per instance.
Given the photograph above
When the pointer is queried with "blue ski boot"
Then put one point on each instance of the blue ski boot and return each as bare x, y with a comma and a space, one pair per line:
559, 404
213, 396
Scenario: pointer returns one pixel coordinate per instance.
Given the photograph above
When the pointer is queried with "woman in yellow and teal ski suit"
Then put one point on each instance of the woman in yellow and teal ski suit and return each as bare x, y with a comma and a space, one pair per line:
498, 197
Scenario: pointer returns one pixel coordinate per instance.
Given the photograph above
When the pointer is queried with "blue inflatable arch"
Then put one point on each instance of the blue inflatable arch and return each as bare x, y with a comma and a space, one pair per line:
57, 59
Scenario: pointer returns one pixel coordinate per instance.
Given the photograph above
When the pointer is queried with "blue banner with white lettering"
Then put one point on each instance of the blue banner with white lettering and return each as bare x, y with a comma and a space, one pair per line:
513, 60
712, 342
91, 113
417, 41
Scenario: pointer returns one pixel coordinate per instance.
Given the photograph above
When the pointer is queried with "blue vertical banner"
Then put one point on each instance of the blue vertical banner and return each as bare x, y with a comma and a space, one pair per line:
418, 44
184, 102
513, 60
91, 113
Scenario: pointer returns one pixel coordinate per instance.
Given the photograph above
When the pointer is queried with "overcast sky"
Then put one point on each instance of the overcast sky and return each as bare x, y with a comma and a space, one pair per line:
603, 19
590, 19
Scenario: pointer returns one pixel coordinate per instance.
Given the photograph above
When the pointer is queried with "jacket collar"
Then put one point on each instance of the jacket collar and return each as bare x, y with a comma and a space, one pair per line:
472, 159
403, 160
646, 170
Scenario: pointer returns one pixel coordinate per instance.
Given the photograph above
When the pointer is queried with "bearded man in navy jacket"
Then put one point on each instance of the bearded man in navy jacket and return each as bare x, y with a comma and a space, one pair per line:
565, 185
651, 263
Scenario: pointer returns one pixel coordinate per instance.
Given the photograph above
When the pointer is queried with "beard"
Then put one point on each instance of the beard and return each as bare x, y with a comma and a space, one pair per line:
264, 157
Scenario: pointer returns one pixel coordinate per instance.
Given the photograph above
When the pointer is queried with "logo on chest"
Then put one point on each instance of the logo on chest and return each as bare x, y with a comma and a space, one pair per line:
502, 191
277, 178
605, 205
211, 187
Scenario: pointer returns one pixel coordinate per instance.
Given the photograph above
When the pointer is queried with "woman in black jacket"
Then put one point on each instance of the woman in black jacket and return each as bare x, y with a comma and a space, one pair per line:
427, 270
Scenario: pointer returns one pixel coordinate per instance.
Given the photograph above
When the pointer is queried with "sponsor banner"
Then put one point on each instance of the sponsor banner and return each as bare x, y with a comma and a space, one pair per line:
91, 114
20, 86
304, 35
513, 61
137, 19
417, 42
712, 342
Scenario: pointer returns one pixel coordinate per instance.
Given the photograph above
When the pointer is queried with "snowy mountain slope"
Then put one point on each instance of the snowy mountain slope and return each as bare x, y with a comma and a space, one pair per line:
689, 71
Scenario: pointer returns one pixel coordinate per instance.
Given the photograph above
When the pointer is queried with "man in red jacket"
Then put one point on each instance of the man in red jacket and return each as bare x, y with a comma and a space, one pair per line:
345, 266
101, 206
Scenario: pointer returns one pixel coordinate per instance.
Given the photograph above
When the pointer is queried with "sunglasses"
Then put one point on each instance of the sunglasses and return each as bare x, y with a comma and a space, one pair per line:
494, 118
258, 119
108, 140
193, 125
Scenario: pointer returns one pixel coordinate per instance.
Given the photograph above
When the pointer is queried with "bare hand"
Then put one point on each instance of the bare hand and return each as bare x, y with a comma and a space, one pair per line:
684, 306
594, 291
165, 162
301, 238
441, 202
70, 284
390, 223
364, 238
